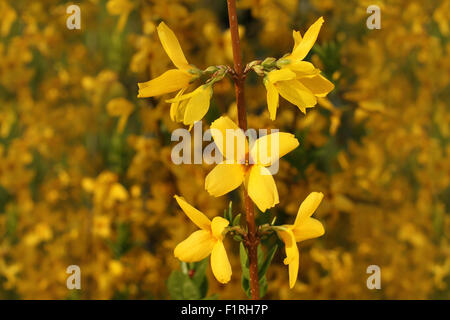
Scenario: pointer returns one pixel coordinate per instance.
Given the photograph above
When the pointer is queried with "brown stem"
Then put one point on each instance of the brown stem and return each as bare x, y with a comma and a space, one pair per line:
239, 76
251, 240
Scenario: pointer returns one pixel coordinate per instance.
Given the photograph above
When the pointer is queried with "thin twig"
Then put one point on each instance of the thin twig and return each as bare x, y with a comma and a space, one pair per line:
251, 239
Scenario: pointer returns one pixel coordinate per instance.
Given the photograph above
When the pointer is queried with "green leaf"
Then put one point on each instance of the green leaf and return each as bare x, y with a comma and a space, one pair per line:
228, 213
173, 285
260, 256
236, 220
181, 287
263, 265
262, 269
190, 290
244, 261
262, 287
200, 271
246, 285
199, 277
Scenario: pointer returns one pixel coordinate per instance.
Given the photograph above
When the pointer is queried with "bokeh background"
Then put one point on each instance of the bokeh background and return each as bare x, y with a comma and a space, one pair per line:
85, 170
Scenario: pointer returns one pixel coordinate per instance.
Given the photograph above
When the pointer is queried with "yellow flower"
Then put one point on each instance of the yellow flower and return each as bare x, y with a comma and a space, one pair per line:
121, 8
298, 81
173, 79
205, 242
7, 18
122, 108
304, 228
191, 107
247, 165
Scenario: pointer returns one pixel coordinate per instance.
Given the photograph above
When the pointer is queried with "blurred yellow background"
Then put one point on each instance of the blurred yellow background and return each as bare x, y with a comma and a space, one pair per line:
86, 176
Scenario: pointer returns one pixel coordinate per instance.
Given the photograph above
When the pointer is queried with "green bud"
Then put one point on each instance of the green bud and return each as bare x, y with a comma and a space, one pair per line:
258, 70
253, 63
283, 62
211, 69
268, 62
237, 220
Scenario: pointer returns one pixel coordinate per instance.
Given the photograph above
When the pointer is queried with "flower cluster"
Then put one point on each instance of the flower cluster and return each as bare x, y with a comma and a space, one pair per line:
86, 176
297, 81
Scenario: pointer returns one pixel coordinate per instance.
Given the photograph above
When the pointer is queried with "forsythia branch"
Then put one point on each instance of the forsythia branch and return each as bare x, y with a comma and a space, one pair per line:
251, 239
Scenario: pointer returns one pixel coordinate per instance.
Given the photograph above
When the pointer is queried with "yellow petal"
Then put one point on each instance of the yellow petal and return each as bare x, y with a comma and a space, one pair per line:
170, 81
293, 269
198, 105
292, 254
309, 38
219, 224
280, 75
122, 123
184, 97
261, 188
196, 247
220, 264
195, 215
270, 148
297, 38
272, 99
176, 106
309, 229
318, 85
224, 178
296, 93
230, 139
308, 206
303, 69
119, 107
172, 47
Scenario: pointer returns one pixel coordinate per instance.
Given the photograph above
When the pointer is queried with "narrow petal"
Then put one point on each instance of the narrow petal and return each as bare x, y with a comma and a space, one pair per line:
303, 69
219, 224
292, 254
309, 229
170, 81
272, 99
196, 247
195, 215
175, 107
296, 93
224, 178
270, 148
261, 188
230, 140
172, 47
318, 85
309, 38
198, 105
293, 269
297, 38
187, 96
220, 264
308, 206
280, 75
